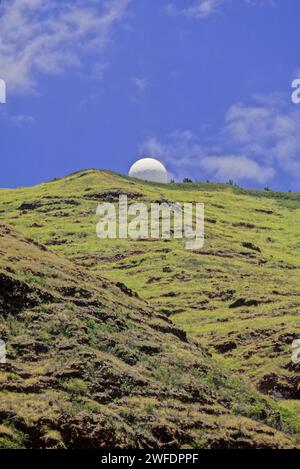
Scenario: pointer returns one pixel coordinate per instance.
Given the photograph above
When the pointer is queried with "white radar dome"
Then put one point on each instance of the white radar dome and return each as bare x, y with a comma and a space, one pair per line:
149, 169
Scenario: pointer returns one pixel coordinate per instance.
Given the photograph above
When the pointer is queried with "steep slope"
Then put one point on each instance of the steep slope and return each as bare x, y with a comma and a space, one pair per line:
239, 295
90, 365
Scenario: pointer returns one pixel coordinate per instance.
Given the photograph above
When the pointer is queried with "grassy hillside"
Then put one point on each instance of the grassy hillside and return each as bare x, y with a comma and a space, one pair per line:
91, 365
238, 296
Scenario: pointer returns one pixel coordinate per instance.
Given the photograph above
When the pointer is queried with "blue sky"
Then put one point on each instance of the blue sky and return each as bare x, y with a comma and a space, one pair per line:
203, 85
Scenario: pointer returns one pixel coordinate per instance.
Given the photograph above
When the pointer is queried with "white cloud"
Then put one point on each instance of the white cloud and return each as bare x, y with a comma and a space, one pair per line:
186, 157
203, 8
16, 119
180, 151
200, 9
236, 167
142, 84
49, 36
256, 142
21, 119
270, 131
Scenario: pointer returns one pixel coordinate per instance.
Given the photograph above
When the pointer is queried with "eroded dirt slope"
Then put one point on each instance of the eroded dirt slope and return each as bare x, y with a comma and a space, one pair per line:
90, 365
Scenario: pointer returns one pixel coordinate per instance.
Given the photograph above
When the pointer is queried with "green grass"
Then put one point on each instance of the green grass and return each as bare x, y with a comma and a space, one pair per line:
196, 289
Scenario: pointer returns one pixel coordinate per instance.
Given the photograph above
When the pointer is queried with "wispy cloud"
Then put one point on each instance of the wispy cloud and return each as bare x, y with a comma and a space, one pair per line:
22, 119
16, 119
268, 130
237, 168
42, 36
141, 84
199, 9
184, 156
255, 142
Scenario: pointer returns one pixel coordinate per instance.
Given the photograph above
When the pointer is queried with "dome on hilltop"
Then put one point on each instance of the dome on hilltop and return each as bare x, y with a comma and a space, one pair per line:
149, 169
